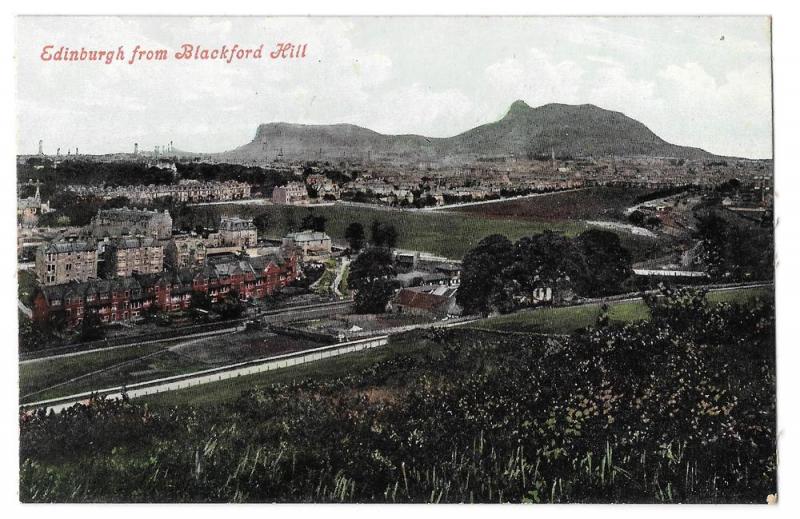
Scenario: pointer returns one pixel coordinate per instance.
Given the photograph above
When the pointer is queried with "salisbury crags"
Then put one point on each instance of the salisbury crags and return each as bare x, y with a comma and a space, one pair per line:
525, 132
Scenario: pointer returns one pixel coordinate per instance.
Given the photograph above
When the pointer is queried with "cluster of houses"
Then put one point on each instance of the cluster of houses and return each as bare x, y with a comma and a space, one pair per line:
129, 260
188, 191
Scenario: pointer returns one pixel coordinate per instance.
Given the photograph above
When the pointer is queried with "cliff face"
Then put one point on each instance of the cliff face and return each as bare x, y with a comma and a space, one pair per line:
566, 130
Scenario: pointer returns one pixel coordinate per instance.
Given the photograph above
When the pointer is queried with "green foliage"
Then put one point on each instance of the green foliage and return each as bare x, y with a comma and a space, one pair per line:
354, 234
499, 276
735, 251
656, 411
383, 234
313, 222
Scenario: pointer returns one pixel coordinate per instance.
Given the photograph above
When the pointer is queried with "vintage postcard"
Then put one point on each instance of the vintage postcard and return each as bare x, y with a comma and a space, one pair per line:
395, 260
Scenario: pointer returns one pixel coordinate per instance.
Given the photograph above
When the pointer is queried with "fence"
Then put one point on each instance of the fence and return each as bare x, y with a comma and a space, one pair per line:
214, 374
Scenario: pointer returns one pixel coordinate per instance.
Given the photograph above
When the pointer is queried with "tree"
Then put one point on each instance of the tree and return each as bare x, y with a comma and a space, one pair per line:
606, 263
313, 222
374, 263
91, 326
372, 276
372, 297
383, 234
480, 273
354, 234
230, 307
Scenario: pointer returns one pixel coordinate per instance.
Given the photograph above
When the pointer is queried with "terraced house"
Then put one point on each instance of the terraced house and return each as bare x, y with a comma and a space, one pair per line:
125, 298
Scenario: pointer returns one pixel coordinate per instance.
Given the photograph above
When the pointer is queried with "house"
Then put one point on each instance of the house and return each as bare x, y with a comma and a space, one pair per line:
429, 300
133, 255
121, 222
65, 261
291, 193
237, 232
310, 245
184, 251
122, 299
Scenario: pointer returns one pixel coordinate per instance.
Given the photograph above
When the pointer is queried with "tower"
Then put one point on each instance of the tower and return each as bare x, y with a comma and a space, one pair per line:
58, 152
135, 148
41, 150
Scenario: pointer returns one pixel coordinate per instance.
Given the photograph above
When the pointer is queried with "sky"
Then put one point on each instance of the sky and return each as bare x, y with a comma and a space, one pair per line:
695, 81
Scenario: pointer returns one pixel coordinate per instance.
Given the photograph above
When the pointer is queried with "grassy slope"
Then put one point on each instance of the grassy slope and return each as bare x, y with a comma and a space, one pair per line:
557, 320
565, 320
39, 375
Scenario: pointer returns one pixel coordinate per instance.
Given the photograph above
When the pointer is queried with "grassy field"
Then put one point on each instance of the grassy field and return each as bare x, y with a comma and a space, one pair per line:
597, 203
568, 319
445, 234
211, 394
40, 375
139, 364
550, 320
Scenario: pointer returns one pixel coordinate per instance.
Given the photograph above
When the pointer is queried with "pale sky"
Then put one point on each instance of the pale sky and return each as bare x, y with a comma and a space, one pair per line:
695, 81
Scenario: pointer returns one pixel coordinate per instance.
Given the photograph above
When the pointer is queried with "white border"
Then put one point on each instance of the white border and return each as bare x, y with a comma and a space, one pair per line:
786, 27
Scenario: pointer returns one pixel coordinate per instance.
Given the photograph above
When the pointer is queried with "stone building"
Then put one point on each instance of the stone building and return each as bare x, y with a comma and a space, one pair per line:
62, 262
237, 232
127, 256
185, 251
291, 193
310, 245
115, 223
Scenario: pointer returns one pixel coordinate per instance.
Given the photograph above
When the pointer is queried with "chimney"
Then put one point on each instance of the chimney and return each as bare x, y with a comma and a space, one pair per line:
41, 151
58, 152
135, 148
76, 151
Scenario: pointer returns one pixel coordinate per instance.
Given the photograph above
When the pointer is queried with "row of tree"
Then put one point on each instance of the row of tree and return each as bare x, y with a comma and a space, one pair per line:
498, 275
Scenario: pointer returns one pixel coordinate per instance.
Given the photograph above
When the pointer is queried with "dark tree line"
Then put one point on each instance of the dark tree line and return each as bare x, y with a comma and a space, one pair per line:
498, 275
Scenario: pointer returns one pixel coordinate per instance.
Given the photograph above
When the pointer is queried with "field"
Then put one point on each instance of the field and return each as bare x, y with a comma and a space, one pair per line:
446, 234
597, 203
567, 319
70, 375
547, 320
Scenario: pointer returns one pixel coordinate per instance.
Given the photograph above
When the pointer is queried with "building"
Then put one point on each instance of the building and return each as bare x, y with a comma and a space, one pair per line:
291, 193
185, 251
429, 300
191, 191
30, 208
122, 299
124, 257
235, 232
309, 245
65, 261
114, 223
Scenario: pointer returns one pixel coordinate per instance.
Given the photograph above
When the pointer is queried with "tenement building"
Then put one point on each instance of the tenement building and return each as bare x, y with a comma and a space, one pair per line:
121, 299
129, 222
291, 193
185, 251
237, 232
124, 257
62, 262
310, 245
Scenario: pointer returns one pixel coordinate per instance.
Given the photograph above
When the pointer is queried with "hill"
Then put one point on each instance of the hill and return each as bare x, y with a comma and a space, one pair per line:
566, 130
